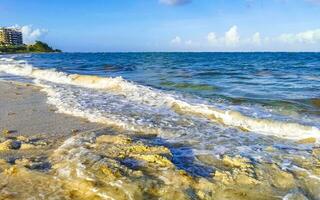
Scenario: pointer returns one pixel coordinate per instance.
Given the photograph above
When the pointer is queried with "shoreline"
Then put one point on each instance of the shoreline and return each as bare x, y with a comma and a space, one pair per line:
24, 112
45, 155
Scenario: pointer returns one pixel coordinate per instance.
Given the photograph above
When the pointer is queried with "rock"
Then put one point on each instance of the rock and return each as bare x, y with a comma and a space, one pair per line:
41, 166
11, 171
6, 145
234, 178
155, 159
6, 195
310, 140
316, 153
15, 144
6, 132
10, 144
276, 177
22, 162
25, 146
244, 179
75, 131
283, 179
296, 195
115, 139
223, 177
237, 162
270, 149
22, 138
109, 173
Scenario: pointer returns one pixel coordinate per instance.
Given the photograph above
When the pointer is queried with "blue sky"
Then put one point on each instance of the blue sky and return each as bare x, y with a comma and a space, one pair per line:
168, 25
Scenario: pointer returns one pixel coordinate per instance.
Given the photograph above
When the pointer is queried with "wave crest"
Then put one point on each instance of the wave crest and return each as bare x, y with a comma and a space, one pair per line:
156, 98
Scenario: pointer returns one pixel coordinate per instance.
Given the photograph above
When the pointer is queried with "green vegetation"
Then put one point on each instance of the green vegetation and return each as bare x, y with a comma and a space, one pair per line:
38, 47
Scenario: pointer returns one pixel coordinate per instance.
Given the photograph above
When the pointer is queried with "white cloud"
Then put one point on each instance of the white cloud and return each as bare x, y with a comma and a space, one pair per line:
232, 37
176, 40
30, 34
174, 2
256, 39
212, 38
231, 41
310, 36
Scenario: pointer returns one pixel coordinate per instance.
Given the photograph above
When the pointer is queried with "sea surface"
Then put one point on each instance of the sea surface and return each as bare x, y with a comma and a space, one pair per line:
199, 105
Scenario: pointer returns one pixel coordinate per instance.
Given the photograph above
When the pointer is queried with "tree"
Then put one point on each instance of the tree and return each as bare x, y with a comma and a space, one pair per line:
40, 47
37, 47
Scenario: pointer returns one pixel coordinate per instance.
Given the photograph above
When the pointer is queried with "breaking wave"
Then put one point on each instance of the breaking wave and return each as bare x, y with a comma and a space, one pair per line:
151, 98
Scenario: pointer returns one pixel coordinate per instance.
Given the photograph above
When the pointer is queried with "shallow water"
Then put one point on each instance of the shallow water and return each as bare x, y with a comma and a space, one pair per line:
222, 116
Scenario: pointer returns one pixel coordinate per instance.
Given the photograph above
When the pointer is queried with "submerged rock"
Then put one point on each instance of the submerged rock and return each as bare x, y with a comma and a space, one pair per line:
237, 162
99, 165
115, 139
26, 146
6, 145
10, 144
296, 195
310, 140
15, 144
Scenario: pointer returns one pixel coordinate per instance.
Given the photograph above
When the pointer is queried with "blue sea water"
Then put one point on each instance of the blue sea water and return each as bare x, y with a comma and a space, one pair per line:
287, 81
271, 76
213, 103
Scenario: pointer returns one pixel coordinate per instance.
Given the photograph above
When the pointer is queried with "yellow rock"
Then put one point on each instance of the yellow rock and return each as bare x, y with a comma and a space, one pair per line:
22, 138
244, 179
238, 162
143, 149
109, 173
283, 180
25, 146
12, 171
270, 149
6, 132
115, 139
5, 146
156, 159
309, 140
274, 176
234, 178
316, 153
22, 162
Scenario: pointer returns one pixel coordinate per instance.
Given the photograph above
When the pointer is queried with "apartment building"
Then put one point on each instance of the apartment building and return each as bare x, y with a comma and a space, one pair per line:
10, 36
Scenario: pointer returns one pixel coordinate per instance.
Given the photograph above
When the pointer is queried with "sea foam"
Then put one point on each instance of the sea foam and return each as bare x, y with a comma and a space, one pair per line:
154, 98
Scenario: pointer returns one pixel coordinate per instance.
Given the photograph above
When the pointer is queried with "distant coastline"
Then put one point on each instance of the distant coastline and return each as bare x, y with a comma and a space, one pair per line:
37, 47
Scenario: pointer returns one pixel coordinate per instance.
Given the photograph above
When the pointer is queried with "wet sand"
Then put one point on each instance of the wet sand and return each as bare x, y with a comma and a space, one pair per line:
29, 127
23, 111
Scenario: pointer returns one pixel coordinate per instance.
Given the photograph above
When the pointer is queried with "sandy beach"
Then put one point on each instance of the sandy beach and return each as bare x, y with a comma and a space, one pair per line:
24, 111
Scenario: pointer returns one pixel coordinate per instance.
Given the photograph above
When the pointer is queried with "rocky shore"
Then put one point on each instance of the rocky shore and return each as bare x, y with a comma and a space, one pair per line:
47, 155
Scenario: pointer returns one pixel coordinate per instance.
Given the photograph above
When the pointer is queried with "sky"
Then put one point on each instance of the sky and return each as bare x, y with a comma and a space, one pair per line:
167, 25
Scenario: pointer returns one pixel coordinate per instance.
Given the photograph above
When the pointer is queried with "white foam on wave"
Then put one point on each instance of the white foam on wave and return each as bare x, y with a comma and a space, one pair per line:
155, 98
55, 98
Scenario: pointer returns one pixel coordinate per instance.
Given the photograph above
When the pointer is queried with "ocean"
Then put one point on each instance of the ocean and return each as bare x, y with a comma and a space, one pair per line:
263, 107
